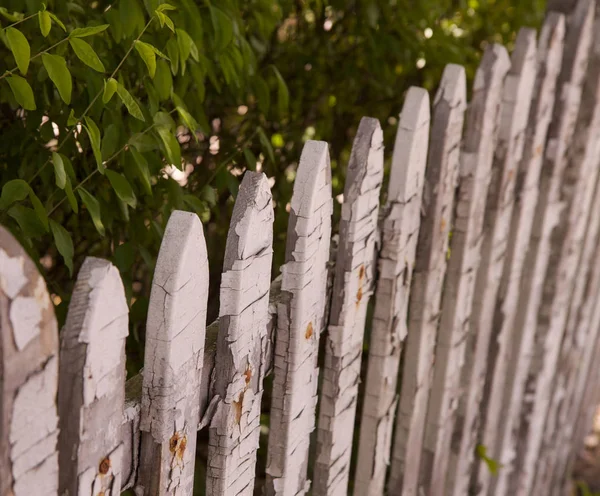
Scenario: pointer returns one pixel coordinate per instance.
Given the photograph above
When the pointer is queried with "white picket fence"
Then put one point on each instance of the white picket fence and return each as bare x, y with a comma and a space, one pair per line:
482, 341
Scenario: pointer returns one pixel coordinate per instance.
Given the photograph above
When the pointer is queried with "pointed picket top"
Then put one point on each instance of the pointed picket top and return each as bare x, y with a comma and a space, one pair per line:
242, 343
352, 288
428, 276
399, 234
502, 373
174, 353
475, 172
92, 363
29, 364
301, 319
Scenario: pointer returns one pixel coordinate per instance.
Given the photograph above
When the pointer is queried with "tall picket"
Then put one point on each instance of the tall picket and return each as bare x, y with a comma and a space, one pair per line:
28, 376
300, 321
241, 347
352, 288
475, 171
173, 360
399, 234
428, 277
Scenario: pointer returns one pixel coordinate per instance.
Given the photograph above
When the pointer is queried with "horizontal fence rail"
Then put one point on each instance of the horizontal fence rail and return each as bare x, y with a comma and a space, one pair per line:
445, 343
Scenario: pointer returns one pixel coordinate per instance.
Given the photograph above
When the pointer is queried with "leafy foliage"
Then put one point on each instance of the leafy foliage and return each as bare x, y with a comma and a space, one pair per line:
114, 113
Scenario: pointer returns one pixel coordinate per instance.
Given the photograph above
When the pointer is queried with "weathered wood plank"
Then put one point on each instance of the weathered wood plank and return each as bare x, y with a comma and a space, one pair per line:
300, 321
570, 187
505, 342
399, 234
475, 171
428, 277
516, 101
28, 377
242, 343
173, 360
92, 379
352, 288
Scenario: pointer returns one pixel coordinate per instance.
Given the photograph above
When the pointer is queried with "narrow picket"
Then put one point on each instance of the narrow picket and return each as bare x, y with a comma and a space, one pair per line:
173, 359
352, 288
300, 321
505, 341
399, 234
570, 187
516, 98
241, 347
428, 277
28, 377
547, 214
92, 362
475, 171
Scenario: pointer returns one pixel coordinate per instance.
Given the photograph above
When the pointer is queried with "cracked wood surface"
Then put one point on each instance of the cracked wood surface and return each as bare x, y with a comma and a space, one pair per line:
546, 216
499, 400
475, 171
399, 234
173, 359
352, 288
300, 321
242, 343
92, 363
428, 277
28, 377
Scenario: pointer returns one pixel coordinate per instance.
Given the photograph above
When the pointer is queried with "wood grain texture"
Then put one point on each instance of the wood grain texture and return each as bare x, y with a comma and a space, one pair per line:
174, 354
428, 277
399, 235
475, 171
352, 288
300, 321
28, 377
92, 379
242, 343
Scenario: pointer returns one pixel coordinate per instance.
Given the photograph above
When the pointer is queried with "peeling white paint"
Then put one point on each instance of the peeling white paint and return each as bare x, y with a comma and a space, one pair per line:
25, 318
12, 274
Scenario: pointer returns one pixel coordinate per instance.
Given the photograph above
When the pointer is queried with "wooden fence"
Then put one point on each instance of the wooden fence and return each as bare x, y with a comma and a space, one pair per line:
480, 270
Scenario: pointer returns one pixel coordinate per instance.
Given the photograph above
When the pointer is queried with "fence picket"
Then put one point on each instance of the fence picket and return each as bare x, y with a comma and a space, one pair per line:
399, 234
475, 170
242, 342
428, 277
28, 376
352, 288
300, 321
173, 360
92, 362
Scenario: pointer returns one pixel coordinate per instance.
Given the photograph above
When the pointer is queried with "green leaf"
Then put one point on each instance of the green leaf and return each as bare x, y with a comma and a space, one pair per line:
250, 159
22, 92
223, 27
19, 46
68, 167
187, 46
165, 19
59, 170
142, 170
89, 31
164, 119
64, 244
14, 17
71, 196
93, 208
110, 86
39, 208
122, 188
72, 120
45, 22
94, 134
173, 51
13, 191
262, 93
148, 56
59, 74
165, 6
163, 81
209, 195
171, 145
266, 144
143, 142
196, 204
283, 94
28, 221
124, 256
57, 21
110, 141
189, 121
132, 107
492, 464
86, 54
